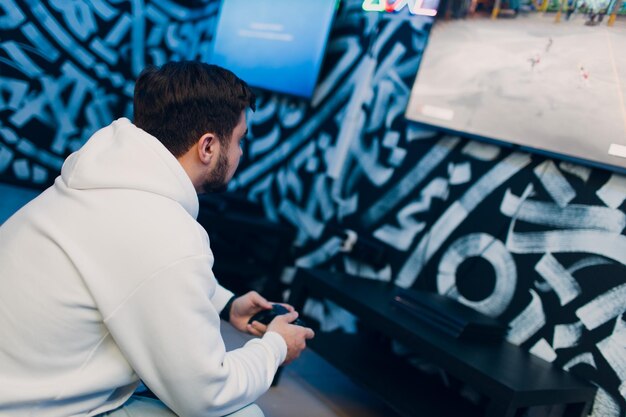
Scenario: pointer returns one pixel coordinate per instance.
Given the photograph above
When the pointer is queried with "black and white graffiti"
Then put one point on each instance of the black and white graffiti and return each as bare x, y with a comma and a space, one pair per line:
68, 69
538, 242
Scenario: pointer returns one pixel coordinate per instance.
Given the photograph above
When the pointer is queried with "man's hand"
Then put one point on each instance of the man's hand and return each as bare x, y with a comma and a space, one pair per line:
245, 307
295, 336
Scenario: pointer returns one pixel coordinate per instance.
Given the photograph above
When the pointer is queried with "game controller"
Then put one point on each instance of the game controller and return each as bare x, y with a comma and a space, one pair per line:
266, 316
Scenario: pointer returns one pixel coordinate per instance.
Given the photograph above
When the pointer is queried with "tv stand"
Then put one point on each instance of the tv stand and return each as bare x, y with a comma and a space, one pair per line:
510, 377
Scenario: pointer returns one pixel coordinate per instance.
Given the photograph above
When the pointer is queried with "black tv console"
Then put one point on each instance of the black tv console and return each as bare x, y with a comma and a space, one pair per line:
510, 377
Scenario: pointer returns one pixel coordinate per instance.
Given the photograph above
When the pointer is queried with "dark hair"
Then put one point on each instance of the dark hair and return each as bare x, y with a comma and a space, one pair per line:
180, 101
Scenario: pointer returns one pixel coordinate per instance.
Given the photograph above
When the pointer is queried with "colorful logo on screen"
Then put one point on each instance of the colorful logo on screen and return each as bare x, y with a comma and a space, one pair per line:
417, 7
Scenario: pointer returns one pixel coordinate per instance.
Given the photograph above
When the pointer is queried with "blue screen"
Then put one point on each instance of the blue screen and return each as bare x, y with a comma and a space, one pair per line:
276, 45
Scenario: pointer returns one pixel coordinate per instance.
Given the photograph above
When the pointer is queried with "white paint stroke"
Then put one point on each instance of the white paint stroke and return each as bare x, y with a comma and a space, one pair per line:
555, 183
603, 308
459, 173
265, 112
481, 151
588, 262
573, 216
585, 357
562, 282
259, 145
610, 245
418, 132
567, 335
364, 270
354, 119
528, 322
368, 158
604, 405
613, 349
308, 226
320, 255
580, 171
613, 192
493, 251
543, 350
352, 50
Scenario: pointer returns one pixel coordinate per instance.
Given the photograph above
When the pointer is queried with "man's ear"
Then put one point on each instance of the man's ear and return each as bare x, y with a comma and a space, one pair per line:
208, 147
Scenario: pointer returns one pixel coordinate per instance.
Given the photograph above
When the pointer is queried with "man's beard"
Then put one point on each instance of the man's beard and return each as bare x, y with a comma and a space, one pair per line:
218, 181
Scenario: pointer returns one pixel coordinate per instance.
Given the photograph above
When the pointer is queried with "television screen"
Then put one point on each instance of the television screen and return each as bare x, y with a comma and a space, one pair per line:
557, 86
276, 45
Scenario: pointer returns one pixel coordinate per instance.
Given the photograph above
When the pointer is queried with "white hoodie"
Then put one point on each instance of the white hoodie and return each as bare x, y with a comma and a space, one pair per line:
105, 279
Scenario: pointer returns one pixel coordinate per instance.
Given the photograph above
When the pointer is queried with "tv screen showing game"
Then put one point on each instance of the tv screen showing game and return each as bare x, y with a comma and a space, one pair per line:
546, 83
275, 45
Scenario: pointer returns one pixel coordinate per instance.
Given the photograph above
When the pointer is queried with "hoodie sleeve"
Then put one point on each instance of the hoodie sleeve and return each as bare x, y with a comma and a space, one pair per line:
221, 297
169, 331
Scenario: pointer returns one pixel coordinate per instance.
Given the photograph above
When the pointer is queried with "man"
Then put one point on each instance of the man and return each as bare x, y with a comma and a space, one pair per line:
105, 278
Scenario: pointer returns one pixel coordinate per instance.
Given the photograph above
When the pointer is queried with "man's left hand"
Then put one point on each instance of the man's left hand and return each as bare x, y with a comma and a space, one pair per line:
245, 307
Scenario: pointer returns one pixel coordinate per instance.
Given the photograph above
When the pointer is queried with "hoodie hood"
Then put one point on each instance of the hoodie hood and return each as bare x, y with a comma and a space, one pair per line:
125, 157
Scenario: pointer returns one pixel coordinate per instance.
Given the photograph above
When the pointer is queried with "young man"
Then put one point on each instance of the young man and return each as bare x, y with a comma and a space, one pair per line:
105, 278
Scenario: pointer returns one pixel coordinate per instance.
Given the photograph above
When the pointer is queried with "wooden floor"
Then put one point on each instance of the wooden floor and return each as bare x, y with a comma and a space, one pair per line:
311, 387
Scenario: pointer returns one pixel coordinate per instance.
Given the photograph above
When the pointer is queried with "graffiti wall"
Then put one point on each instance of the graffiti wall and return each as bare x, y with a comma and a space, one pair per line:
68, 68
538, 242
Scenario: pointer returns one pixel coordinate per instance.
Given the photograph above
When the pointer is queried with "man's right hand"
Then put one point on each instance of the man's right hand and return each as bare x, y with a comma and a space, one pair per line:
295, 336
